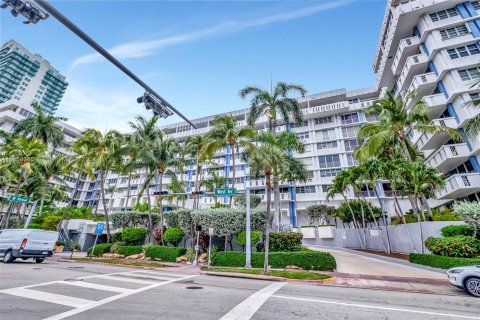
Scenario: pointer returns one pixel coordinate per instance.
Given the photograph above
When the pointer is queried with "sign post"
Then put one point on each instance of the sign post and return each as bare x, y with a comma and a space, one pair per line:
210, 234
248, 248
197, 247
32, 209
98, 231
225, 192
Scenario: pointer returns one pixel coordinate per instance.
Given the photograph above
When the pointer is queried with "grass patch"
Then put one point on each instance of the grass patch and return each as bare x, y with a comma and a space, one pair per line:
124, 262
302, 275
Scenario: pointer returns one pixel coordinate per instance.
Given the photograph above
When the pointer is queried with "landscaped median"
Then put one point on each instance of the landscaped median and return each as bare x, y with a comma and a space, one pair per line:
442, 262
123, 262
255, 273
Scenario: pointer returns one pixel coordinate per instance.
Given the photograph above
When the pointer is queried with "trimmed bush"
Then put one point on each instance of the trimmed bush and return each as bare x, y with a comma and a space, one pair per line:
255, 237
459, 246
129, 250
308, 260
457, 230
51, 223
116, 237
441, 261
116, 245
164, 253
173, 235
134, 236
285, 241
100, 249
34, 226
60, 243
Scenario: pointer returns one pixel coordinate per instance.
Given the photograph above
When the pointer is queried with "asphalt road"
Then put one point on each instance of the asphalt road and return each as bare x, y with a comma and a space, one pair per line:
59, 290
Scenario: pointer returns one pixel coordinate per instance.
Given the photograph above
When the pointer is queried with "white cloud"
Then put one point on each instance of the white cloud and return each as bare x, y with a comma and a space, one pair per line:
138, 49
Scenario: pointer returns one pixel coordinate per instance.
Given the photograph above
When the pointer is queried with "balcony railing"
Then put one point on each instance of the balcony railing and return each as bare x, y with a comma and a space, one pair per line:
404, 47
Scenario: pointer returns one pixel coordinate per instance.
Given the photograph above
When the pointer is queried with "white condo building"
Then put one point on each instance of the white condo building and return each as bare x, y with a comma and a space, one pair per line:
428, 46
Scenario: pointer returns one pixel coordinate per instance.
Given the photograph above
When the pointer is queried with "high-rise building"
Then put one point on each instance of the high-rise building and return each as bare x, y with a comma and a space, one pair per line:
27, 78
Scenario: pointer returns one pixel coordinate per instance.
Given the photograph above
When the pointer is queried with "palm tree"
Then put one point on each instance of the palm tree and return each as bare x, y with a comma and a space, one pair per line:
389, 135
225, 132
196, 148
266, 158
103, 151
177, 186
213, 182
51, 168
41, 126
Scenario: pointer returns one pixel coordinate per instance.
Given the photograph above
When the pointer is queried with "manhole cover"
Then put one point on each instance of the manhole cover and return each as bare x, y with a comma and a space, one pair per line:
193, 288
37, 268
75, 267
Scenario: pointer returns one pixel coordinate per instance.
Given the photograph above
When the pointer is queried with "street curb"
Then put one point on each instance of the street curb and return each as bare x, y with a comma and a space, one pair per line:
263, 277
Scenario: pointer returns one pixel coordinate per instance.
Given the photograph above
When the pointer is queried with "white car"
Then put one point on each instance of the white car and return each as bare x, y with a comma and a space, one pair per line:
27, 243
466, 278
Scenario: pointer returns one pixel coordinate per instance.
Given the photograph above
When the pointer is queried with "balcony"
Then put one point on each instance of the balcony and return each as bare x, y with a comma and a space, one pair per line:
449, 156
460, 185
414, 65
406, 48
436, 104
423, 84
429, 141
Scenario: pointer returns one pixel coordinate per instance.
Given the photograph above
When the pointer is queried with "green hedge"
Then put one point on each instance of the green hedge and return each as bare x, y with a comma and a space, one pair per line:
164, 253
134, 236
442, 262
458, 246
129, 250
100, 249
457, 230
308, 260
285, 241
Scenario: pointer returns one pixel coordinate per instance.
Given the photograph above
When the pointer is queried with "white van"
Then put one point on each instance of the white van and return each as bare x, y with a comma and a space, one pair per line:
27, 243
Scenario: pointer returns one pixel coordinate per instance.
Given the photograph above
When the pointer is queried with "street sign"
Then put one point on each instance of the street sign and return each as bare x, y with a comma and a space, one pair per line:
99, 228
17, 198
210, 231
225, 192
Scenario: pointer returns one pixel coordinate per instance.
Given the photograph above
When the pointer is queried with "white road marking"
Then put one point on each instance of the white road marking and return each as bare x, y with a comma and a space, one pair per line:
376, 307
95, 286
148, 276
171, 275
125, 279
47, 297
246, 309
95, 304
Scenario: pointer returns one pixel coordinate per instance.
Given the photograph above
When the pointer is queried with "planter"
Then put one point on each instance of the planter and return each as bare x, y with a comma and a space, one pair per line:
308, 233
296, 230
326, 232
59, 249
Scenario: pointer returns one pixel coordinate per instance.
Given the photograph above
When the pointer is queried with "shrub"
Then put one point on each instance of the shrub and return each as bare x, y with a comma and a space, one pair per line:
60, 243
255, 237
34, 226
134, 236
240, 200
116, 237
173, 235
445, 215
129, 250
133, 219
116, 245
308, 260
459, 246
318, 212
164, 253
441, 262
51, 222
285, 241
470, 213
343, 211
457, 230
100, 249
74, 246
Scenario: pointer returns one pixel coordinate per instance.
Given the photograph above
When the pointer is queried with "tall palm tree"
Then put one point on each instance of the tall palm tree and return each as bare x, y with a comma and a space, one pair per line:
266, 158
196, 148
389, 135
103, 151
177, 187
41, 126
225, 132
51, 168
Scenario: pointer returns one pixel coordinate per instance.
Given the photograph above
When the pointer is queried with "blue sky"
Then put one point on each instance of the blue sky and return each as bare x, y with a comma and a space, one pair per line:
198, 54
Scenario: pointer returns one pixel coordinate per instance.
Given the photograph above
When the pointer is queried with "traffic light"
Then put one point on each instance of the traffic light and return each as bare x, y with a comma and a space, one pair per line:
151, 103
26, 8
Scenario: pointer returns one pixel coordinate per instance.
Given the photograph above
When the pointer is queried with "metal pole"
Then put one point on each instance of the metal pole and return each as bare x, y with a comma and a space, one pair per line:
94, 244
30, 214
195, 262
82, 35
248, 249
209, 251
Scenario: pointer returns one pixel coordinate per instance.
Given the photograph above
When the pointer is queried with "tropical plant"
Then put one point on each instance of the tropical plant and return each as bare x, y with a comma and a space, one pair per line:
51, 168
470, 213
318, 212
195, 148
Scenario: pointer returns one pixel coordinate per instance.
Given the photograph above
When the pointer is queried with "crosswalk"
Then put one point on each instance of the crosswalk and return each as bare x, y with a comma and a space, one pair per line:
119, 285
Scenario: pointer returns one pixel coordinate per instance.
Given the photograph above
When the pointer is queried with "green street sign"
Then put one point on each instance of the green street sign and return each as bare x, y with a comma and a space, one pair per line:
16, 198
225, 192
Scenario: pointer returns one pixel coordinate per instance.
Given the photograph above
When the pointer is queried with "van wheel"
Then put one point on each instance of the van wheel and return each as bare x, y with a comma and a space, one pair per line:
39, 260
8, 257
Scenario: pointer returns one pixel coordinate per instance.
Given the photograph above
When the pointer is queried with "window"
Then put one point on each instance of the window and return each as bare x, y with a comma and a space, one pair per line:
454, 32
350, 132
444, 14
25, 113
469, 74
327, 145
311, 174
349, 118
324, 120
328, 134
305, 189
474, 96
325, 187
183, 128
303, 135
303, 124
329, 172
240, 180
351, 160
476, 5
351, 144
329, 161
372, 117
463, 51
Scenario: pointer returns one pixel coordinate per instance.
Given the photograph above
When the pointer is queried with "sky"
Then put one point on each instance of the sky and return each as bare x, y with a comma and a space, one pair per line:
199, 54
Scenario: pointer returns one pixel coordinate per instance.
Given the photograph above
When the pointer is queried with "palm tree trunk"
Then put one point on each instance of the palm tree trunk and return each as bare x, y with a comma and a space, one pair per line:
128, 190
42, 200
376, 223
70, 204
419, 219
389, 247
353, 219
403, 219
427, 206
160, 206
276, 203
149, 202
197, 174
233, 172
267, 222
102, 190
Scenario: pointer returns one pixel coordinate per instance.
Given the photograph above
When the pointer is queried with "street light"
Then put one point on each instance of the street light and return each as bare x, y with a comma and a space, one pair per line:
26, 8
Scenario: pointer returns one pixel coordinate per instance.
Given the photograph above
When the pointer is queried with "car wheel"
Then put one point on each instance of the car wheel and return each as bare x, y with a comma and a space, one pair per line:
39, 260
472, 286
8, 257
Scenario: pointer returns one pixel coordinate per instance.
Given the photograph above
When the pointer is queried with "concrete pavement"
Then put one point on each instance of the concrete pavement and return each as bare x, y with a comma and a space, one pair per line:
56, 290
